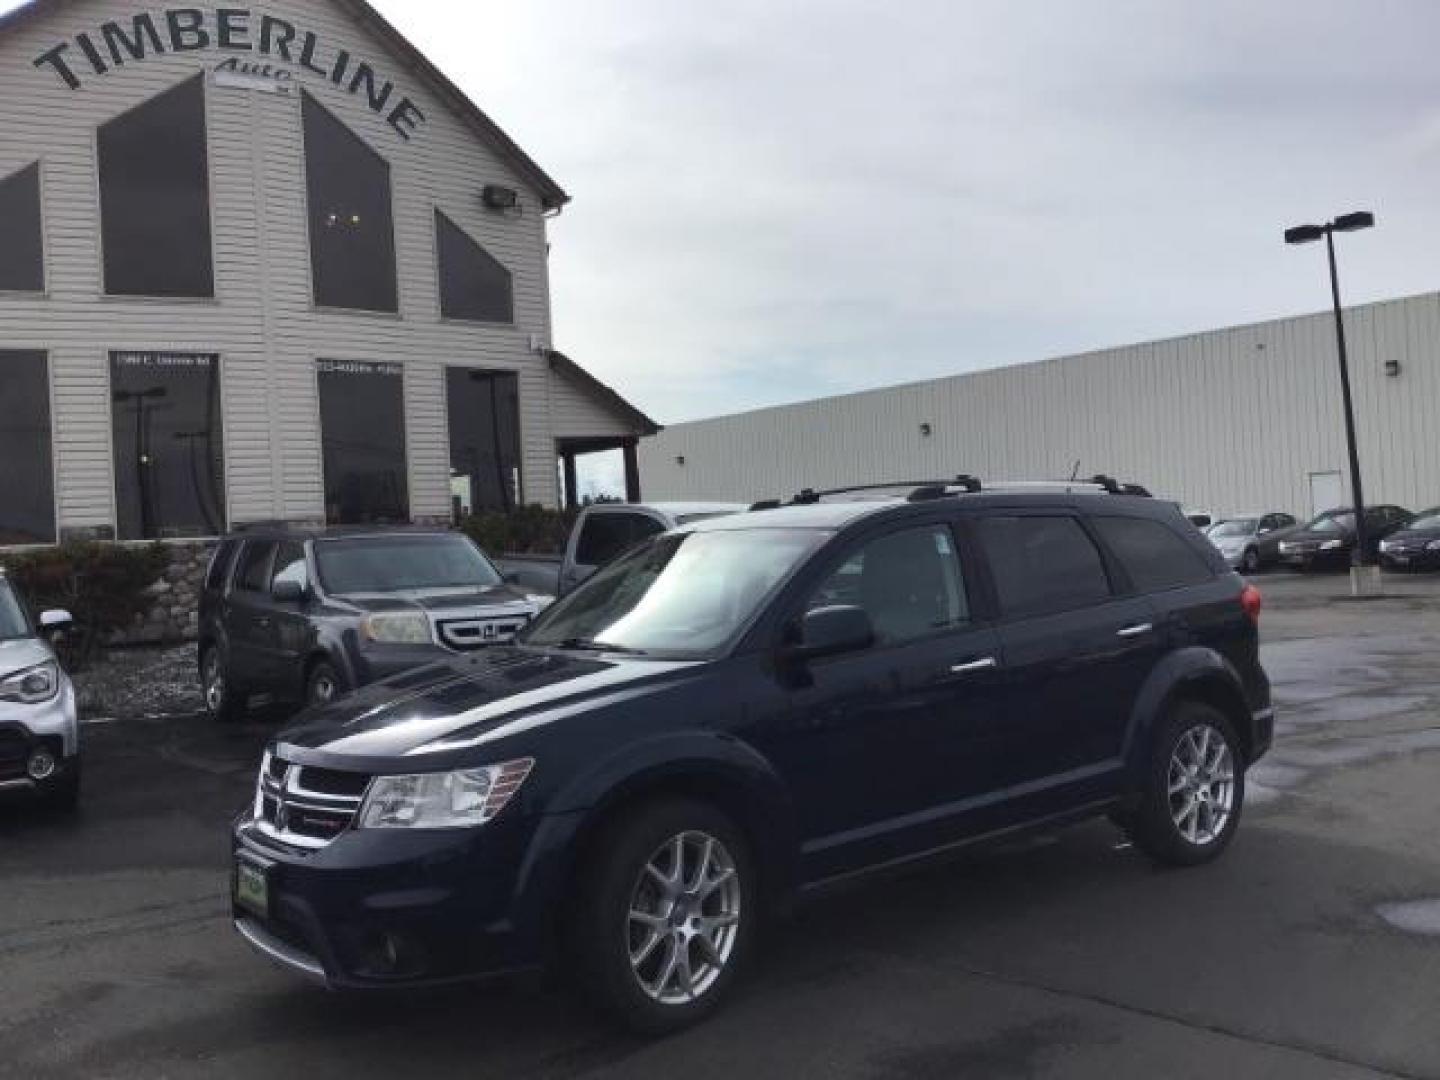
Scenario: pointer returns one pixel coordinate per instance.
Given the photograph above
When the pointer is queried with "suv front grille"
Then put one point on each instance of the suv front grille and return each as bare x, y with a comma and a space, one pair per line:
465, 635
14, 752
306, 807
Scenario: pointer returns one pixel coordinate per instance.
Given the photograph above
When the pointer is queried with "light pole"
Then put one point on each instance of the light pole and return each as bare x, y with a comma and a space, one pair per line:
1305, 234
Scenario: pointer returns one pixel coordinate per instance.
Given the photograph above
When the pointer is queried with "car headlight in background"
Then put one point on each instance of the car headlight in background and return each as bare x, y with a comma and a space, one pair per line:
448, 800
1386, 545
400, 628
32, 686
1332, 545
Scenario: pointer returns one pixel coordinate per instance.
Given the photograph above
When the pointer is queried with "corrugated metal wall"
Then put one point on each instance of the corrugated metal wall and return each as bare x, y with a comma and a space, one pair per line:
262, 321
1227, 421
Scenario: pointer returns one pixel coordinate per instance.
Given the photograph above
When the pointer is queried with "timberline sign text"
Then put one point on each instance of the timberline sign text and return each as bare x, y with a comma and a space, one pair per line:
182, 30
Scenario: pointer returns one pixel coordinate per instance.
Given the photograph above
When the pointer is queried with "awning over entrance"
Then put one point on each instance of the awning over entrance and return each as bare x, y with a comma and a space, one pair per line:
589, 417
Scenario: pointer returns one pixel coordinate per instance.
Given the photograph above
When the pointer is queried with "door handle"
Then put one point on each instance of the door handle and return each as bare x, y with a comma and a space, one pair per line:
987, 664
1138, 630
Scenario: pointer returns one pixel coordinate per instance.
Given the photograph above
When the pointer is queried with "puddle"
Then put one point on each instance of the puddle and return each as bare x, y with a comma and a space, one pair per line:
1414, 916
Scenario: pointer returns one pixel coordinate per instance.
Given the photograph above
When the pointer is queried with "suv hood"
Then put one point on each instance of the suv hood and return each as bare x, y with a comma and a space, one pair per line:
447, 709
440, 601
21, 654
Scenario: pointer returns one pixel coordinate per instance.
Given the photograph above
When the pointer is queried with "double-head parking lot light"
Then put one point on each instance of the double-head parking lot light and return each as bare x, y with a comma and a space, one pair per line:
1305, 234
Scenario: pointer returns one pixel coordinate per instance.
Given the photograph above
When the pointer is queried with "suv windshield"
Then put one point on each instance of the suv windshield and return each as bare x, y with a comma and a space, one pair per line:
389, 564
1430, 519
1239, 527
682, 593
13, 623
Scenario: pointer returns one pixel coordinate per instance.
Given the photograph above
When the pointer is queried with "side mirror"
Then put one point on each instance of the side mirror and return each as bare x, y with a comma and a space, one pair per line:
833, 631
288, 592
54, 623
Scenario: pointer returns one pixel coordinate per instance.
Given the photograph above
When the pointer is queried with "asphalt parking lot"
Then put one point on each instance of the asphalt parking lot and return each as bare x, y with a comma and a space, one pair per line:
1312, 950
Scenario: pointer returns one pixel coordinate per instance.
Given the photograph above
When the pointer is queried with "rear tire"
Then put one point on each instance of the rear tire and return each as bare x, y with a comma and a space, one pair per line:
664, 916
1194, 790
223, 700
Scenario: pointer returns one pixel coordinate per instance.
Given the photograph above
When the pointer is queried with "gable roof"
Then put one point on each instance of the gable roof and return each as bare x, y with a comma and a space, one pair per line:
552, 195
609, 398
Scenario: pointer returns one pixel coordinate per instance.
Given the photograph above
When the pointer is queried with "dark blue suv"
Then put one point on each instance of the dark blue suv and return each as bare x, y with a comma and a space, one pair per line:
734, 713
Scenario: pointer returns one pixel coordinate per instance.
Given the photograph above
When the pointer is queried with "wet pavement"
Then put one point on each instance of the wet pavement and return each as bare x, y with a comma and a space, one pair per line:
1311, 950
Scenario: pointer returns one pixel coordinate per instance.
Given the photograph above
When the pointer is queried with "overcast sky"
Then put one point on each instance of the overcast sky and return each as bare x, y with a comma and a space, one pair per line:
783, 199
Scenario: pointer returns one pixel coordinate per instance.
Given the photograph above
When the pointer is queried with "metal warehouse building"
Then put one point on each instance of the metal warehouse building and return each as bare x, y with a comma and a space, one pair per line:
266, 262
1233, 420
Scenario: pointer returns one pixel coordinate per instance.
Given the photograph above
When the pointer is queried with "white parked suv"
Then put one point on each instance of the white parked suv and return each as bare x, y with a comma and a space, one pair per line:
39, 726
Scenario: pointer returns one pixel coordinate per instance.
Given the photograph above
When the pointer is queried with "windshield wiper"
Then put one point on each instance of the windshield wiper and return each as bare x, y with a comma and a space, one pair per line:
578, 644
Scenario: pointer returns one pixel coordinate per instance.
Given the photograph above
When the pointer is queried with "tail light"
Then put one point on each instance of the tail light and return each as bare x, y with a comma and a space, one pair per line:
1251, 603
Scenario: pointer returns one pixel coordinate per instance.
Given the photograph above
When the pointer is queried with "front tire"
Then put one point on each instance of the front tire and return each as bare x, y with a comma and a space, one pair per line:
223, 701
665, 915
323, 685
1195, 788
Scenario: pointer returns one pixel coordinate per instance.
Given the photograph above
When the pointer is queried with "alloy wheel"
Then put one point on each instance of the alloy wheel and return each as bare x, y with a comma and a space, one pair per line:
1201, 785
684, 918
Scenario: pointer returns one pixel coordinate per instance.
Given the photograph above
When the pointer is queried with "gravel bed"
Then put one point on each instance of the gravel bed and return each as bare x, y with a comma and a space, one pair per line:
140, 683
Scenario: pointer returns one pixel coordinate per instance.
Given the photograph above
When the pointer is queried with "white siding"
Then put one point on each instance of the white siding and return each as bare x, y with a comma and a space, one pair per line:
575, 412
1228, 421
262, 321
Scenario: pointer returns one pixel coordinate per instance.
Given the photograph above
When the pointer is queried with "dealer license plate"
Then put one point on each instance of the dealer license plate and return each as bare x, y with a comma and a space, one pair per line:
252, 887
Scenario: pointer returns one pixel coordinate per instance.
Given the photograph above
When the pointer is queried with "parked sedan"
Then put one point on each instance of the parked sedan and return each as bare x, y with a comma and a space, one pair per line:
1252, 543
1329, 540
1416, 546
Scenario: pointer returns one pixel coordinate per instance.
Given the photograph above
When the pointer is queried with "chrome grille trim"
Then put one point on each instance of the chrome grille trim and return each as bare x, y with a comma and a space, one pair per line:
279, 791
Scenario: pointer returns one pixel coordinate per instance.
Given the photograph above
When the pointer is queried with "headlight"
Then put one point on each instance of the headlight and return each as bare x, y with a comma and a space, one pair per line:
1332, 545
33, 685
452, 800
1386, 545
1286, 549
404, 628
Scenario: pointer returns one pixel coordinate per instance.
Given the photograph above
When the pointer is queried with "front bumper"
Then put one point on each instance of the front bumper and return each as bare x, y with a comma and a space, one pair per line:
389, 908
1410, 560
1314, 560
375, 663
54, 724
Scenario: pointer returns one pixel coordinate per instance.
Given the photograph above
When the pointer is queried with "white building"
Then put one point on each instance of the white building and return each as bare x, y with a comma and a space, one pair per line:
1248, 418
266, 262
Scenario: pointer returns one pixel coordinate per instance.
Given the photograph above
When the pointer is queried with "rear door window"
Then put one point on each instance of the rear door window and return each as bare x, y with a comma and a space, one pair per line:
607, 535
290, 565
254, 573
1042, 565
1153, 555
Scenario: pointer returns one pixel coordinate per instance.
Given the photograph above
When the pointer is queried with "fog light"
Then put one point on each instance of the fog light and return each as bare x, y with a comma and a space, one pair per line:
42, 765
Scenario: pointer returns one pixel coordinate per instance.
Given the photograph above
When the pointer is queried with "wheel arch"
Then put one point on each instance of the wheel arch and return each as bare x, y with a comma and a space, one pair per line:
1195, 674
705, 767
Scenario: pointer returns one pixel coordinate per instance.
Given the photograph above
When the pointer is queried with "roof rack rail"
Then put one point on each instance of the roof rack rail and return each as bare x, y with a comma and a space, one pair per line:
766, 504
810, 496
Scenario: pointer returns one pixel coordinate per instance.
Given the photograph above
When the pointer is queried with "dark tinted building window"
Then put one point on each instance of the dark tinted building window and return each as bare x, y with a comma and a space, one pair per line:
155, 197
473, 283
27, 478
1043, 564
352, 236
169, 445
362, 421
909, 583
607, 535
1153, 555
484, 411
22, 251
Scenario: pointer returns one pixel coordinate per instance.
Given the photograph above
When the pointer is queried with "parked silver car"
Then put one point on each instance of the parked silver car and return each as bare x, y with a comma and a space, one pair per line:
39, 727
1252, 542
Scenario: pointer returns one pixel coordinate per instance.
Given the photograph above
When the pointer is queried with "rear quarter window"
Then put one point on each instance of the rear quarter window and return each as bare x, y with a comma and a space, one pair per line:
220, 564
1155, 557
1042, 565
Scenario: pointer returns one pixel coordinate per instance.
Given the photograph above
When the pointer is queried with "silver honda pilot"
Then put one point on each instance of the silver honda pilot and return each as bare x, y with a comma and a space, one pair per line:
39, 726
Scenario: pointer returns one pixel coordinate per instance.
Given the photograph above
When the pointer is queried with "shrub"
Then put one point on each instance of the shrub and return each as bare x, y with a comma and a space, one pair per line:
527, 530
104, 586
